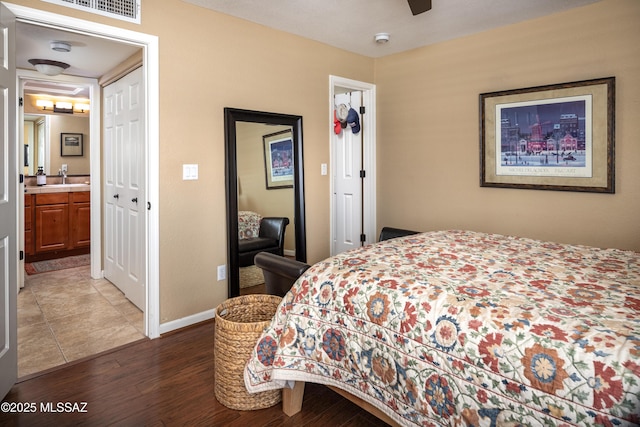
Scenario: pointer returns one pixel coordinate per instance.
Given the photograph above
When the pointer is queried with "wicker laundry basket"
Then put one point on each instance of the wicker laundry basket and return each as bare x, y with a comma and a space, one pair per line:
238, 326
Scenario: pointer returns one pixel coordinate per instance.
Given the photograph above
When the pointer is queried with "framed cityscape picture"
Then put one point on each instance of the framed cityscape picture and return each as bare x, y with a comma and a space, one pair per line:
278, 159
554, 137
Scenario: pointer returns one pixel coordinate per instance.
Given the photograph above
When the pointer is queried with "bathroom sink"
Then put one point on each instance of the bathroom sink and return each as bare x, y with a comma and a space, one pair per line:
57, 188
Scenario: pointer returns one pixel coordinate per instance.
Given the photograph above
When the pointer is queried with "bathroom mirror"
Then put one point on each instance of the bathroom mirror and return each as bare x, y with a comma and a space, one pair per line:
42, 143
249, 133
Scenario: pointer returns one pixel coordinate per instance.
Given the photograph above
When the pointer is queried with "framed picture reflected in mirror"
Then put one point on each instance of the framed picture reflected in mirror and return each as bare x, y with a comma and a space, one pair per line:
71, 144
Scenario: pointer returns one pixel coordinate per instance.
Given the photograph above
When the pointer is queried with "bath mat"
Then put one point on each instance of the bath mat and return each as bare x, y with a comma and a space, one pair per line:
251, 276
57, 264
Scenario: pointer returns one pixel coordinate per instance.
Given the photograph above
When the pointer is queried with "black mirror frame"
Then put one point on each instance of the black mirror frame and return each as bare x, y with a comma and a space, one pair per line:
231, 116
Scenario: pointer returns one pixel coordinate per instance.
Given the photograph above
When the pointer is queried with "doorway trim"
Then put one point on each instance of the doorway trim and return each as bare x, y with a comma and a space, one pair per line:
149, 45
368, 121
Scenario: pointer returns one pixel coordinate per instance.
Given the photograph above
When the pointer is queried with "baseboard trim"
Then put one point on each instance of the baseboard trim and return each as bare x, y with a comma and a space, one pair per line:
187, 321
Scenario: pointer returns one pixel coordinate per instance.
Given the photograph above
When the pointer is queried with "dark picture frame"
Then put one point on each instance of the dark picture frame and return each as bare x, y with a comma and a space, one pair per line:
71, 144
553, 137
278, 159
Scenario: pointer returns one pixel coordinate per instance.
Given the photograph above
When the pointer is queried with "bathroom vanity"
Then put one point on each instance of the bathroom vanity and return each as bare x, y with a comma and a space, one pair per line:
56, 221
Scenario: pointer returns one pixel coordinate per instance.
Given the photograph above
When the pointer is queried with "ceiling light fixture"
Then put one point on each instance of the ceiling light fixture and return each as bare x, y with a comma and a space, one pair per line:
49, 67
382, 38
61, 46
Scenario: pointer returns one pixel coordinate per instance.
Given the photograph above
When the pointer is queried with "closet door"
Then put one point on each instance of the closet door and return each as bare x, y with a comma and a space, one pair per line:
124, 193
346, 165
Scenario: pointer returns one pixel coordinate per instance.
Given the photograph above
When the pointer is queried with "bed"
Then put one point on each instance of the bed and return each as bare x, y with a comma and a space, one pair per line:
464, 328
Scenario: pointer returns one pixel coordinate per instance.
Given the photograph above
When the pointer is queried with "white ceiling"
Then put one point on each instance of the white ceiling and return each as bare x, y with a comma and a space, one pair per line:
352, 24
346, 24
89, 57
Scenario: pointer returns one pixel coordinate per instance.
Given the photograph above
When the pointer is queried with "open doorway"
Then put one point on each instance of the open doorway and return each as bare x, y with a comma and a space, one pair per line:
38, 22
64, 314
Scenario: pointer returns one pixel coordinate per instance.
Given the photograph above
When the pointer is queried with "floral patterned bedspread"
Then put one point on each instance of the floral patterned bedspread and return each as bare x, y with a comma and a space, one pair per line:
465, 328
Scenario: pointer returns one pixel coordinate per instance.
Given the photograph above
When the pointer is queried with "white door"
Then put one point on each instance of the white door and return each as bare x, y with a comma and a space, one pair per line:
346, 167
124, 193
8, 205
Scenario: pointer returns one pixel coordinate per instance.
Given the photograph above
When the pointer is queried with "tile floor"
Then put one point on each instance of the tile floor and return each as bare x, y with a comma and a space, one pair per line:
66, 315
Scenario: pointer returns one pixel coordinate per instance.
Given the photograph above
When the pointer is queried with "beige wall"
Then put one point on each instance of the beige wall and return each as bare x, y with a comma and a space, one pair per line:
428, 121
76, 165
210, 61
427, 129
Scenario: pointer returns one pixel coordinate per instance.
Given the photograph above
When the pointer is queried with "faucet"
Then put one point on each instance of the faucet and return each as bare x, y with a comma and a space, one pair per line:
64, 173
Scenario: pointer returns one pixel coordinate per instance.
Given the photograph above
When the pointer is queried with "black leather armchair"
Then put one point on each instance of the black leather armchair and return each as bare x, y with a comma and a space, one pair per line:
279, 272
270, 239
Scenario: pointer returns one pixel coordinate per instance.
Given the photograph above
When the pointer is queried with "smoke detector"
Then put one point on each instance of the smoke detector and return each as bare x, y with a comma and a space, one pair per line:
61, 46
382, 38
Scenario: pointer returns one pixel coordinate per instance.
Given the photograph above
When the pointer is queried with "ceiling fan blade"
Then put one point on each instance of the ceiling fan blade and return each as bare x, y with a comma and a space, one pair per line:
419, 6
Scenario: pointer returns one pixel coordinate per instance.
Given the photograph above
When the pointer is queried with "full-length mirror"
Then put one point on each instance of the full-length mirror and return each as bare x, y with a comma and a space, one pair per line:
265, 187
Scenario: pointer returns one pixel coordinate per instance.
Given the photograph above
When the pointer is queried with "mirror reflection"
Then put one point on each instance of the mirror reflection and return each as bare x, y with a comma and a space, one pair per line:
265, 190
254, 195
264, 193
42, 137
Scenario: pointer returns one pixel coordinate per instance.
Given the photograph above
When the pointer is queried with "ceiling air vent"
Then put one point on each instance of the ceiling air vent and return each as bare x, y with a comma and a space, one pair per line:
125, 10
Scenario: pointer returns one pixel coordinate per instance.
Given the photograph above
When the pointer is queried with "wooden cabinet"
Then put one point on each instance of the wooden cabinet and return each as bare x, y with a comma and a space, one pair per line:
51, 222
80, 217
57, 225
28, 224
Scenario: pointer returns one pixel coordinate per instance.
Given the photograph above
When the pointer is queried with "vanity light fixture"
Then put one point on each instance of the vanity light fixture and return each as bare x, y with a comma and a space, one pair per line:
63, 107
83, 108
49, 67
44, 103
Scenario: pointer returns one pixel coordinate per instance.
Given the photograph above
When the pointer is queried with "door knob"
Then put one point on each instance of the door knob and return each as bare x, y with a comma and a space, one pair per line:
116, 196
134, 200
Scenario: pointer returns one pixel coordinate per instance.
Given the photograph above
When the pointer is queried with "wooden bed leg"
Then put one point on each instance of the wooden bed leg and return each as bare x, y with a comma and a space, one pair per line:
292, 398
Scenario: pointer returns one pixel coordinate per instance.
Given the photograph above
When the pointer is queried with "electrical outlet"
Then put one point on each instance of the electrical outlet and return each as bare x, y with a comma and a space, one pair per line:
222, 272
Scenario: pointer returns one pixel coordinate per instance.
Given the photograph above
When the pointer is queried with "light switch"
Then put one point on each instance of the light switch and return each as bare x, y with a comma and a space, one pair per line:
323, 169
189, 172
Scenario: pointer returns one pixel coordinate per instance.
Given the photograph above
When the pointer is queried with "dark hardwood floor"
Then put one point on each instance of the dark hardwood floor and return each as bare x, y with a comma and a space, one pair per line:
163, 382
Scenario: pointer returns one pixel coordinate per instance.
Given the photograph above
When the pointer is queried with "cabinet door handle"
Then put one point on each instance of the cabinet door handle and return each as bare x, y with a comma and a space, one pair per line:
116, 196
134, 200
